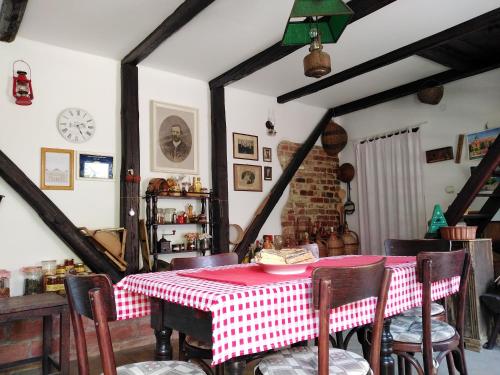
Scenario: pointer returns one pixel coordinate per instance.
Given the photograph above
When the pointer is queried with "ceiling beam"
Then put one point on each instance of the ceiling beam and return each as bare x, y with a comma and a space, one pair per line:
11, 15
485, 20
415, 86
446, 56
180, 17
277, 51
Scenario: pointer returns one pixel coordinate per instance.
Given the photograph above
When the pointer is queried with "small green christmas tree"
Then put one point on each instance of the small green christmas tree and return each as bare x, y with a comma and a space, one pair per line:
437, 221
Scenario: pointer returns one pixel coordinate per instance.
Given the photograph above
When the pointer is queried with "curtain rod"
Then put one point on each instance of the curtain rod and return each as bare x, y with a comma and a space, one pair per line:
390, 133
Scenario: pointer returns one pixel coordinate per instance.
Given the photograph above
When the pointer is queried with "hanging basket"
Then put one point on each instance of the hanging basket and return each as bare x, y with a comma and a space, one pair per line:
431, 95
334, 138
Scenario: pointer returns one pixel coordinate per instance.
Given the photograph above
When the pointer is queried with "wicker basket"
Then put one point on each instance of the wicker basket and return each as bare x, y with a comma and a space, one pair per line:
458, 233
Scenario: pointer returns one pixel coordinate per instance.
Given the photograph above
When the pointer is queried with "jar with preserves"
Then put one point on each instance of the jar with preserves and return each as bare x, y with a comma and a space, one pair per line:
69, 264
49, 267
79, 268
32, 280
51, 284
4, 284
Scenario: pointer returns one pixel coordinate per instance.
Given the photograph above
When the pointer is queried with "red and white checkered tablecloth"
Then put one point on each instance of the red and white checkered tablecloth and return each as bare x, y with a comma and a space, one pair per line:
252, 319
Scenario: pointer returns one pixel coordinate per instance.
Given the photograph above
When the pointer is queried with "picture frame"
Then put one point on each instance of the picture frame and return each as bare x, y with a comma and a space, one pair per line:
439, 154
95, 166
479, 142
491, 183
57, 169
267, 154
245, 146
247, 177
268, 173
174, 138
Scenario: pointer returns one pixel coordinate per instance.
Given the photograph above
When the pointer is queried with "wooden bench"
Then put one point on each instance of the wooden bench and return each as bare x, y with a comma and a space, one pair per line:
41, 306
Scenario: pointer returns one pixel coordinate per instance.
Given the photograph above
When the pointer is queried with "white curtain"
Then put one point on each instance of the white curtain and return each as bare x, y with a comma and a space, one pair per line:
390, 190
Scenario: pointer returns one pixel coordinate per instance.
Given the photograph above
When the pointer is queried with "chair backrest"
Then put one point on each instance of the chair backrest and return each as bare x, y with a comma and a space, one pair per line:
224, 259
413, 247
433, 267
337, 286
92, 296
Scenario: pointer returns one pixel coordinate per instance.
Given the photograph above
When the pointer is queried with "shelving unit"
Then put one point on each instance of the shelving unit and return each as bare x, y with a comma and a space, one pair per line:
152, 220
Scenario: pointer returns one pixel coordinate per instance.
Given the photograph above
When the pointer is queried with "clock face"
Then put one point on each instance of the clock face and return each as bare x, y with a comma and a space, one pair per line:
75, 125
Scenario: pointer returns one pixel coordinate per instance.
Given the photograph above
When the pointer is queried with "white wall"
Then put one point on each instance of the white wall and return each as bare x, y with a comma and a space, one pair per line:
466, 107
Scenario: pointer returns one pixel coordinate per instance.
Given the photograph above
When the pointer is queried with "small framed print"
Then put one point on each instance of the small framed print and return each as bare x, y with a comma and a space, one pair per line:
247, 177
268, 173
479, 142
439, 154
93, 166
245, 146
267, 154
57, 169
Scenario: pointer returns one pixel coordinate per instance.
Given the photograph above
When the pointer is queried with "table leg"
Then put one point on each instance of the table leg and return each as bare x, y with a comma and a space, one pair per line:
234, 367
64, 342
46, 343
163, 350
386, 360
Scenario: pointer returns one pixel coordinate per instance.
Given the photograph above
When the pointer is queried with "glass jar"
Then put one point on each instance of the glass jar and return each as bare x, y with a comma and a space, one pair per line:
69, 265
32, 280
4, 284
49, 267
51, 284
79, 268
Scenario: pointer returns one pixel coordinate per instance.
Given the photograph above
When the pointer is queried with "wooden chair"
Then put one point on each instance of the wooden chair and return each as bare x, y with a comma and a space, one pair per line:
93, 297
189, 347
334, 287
426, 334
395, 247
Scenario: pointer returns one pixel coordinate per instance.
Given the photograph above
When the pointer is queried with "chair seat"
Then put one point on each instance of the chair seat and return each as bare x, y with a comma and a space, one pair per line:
436, 309
304, 361
191, 341
409, 329
160, 368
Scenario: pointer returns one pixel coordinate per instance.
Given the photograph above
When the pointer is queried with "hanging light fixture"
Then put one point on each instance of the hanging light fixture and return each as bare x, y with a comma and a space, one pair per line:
315, 22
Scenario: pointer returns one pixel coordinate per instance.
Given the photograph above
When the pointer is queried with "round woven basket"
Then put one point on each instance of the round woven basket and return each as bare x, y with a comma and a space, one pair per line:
458, 233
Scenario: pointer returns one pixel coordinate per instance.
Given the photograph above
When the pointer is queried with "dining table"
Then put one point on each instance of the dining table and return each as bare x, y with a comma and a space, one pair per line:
243, 310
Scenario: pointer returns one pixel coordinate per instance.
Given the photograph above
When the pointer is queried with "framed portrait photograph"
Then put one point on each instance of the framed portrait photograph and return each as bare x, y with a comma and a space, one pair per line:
245, 146
479, 142
247, 177
267, 154
57, 169
268, 173
174, 131
93, 166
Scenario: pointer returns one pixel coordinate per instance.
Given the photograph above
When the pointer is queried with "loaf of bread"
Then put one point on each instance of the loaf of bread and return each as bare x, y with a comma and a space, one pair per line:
284, 256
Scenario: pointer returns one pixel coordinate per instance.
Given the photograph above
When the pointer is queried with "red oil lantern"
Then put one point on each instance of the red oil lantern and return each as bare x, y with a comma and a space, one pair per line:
21, 85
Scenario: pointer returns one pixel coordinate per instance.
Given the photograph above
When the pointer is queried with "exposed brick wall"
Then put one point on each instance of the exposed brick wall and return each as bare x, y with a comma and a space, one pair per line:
23, 338
313, 193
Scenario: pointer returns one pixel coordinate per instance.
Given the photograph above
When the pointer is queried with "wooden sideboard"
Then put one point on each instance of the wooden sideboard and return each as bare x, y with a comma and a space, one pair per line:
477, 321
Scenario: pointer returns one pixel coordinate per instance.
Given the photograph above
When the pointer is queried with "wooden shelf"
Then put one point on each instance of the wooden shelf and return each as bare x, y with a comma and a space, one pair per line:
204, 196
171, 224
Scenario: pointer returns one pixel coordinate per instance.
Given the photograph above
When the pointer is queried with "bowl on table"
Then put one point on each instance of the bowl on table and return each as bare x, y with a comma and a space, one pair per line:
286, 269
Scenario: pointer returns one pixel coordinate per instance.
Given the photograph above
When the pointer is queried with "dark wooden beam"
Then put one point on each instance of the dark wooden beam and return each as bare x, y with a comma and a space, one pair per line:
277, 51
474, 184
11, 15
413, 87
475, 24
276, 192
445, 56
55, 219
131, 163
180, 17
219, 171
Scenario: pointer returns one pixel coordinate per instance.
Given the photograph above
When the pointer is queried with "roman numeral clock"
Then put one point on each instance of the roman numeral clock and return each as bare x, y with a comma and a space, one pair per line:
75, 125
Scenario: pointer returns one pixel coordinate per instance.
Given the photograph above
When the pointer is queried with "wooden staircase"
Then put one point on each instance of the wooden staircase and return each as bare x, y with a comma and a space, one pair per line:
486, 168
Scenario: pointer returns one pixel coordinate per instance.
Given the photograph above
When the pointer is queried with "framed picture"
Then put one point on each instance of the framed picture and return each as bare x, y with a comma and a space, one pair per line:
247, 177
439, 154
174, 131
268, 173
95, 166
478, 143
245, 146
491, 183
267, 154
57, 169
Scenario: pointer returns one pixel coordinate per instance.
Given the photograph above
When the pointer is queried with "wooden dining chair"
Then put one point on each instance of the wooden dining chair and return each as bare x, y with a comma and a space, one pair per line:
92, 296
334, 287
189, 347
396, 247
428, 335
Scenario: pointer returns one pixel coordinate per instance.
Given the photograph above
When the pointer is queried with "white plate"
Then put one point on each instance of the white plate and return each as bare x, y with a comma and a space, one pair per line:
285, 269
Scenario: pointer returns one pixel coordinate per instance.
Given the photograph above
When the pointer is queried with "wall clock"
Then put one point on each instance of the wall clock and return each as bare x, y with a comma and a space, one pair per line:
76, 125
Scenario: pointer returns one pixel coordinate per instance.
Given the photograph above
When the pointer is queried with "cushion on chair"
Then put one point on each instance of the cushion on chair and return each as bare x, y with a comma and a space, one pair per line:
436, 309
191, 341
160, 368
304, 361
409, 329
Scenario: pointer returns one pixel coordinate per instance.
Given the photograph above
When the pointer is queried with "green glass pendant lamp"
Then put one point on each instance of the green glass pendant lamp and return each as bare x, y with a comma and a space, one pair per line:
315, 22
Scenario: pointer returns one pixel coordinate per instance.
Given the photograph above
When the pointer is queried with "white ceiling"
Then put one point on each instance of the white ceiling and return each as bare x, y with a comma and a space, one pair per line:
229, 31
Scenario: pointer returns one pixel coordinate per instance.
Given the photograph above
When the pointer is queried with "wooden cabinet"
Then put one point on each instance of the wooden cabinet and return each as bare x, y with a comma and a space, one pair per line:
476, 317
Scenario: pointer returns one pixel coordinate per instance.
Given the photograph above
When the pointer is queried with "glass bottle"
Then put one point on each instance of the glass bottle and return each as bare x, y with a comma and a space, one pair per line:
4, 284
